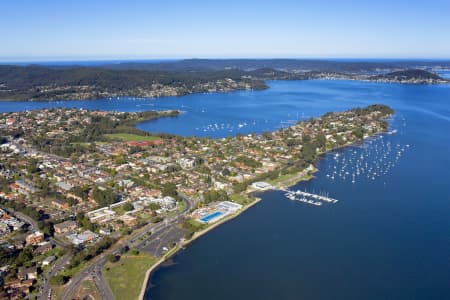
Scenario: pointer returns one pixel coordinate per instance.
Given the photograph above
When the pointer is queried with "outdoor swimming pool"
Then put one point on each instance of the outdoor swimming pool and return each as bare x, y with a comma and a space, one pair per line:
211, 216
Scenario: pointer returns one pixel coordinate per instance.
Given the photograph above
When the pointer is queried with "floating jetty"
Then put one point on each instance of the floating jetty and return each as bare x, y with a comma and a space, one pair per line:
302, 196
315, 196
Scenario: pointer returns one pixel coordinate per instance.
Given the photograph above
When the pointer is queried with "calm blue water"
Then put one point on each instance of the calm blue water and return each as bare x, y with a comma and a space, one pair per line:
386, 238
218, 115
444, 74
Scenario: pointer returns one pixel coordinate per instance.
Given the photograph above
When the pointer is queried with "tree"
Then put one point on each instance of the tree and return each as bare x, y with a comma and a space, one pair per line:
134, 252
120, 160
213, 195
154, 206
59, 279
128, 206
359, 133
85, 222
3, 140
226, 172
112, 258
170, 189
321, 140
309, 152
104, 197
25, 255
46, 227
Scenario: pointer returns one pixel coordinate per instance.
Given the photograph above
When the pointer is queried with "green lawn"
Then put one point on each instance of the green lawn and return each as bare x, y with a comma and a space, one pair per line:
289, 179
126, 276
128, 137
88, 290
241, 199
119, 210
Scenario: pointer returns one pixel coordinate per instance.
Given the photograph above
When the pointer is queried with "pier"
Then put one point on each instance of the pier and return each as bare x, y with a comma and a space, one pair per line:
315, 196
292, 195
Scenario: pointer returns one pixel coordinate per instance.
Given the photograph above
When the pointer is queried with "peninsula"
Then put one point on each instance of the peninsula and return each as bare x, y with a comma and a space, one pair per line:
95, 195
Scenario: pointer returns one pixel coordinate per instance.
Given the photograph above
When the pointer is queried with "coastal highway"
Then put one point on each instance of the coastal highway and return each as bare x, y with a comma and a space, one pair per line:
58, 265
103, 287
95, 272
165, 234
95, 267
159, 240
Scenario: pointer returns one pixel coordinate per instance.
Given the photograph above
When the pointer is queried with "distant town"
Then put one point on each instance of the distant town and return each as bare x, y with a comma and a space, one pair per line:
36, 83
81, 190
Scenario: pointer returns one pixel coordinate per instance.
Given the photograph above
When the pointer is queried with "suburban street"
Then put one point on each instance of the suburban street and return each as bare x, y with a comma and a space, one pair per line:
58, 265
162, 234
102, 286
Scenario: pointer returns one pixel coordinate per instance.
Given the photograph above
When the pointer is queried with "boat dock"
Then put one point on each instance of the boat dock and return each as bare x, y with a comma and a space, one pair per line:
302, 196
315, 196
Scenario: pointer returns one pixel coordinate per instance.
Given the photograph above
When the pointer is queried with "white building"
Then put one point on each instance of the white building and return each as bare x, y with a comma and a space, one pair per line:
48, 260
261, 185
101, 215
186, 163
82, 238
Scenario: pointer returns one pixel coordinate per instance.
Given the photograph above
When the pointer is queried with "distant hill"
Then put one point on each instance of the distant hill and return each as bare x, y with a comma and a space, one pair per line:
178, 78
320, 65
410, 74
39, 83
252, 64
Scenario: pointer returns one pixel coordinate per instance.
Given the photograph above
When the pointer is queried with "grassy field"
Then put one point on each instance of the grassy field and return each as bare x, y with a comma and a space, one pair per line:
126, 276
289, 179
88, 290
241, 199
127, 137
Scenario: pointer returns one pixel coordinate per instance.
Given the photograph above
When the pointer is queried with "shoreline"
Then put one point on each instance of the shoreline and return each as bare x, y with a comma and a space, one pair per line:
199, 234
291, 181
414, 81
196, 235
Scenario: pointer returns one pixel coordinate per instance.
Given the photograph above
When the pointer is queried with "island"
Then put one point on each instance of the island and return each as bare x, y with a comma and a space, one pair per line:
85, 195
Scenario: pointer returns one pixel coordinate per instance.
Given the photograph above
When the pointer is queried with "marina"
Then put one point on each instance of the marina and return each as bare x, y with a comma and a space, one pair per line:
309, 198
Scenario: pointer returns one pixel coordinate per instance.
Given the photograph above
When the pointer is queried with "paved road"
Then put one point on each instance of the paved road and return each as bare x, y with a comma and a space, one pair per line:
166, 234
33, 224
57, 266
95, 269
102, 286
159, 241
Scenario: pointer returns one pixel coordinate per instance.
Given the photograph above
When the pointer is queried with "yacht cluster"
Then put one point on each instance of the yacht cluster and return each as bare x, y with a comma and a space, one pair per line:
229, 127
375, 158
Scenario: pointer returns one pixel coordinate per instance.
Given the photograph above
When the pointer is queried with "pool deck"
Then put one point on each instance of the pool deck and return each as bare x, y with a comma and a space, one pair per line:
212, 217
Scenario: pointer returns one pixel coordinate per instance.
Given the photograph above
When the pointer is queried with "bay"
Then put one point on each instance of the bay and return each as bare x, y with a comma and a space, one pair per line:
386, 238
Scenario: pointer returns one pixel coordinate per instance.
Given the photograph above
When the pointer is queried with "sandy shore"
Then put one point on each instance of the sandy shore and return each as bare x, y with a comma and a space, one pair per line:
193, 238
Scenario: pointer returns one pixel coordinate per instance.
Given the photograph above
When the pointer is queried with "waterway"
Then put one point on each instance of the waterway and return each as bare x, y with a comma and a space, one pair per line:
386, 238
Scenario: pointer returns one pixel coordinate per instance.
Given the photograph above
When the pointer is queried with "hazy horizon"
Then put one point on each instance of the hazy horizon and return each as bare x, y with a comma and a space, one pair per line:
99, 61
142, 30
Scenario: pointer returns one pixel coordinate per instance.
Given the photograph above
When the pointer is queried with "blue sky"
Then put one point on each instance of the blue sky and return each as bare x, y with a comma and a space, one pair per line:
63, 29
